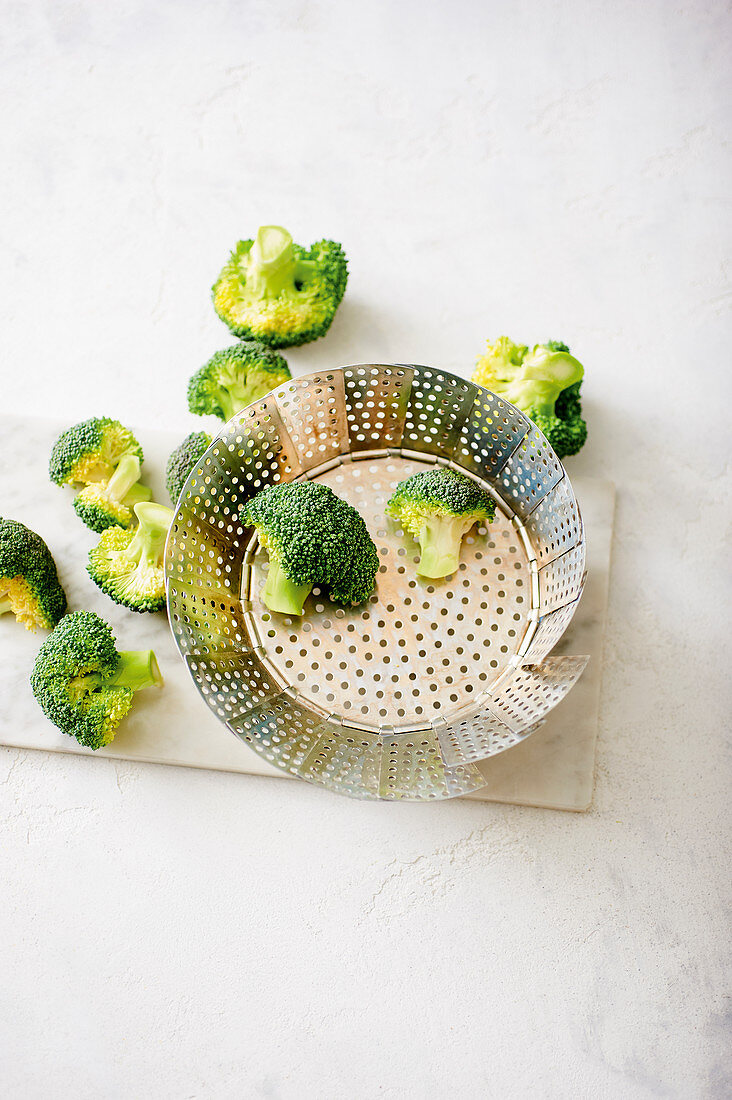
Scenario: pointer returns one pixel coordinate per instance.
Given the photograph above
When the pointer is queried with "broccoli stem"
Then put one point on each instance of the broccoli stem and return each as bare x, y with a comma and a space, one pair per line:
280, 593
136, 495
124, 478
5, 605
232, 393
273, 269
231, 399
148, 542
137, 668
545, 374
439, 539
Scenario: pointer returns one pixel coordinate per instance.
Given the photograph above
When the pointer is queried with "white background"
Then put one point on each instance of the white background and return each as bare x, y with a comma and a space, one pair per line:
545, 168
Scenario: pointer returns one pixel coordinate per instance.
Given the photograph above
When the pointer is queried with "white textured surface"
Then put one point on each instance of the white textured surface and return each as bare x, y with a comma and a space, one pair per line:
541, 168
554, 767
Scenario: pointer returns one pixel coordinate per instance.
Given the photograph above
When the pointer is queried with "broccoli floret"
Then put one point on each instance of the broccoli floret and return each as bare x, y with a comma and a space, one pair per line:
29, 584
91, 451
312, 537
83, 684
277, 291
182, 460
128, 565
235, 377
566, 430
108, 504
544, 383
438, 507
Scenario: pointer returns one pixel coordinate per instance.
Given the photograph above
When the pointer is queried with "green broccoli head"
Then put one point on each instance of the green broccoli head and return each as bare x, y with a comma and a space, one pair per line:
438, 507
182, 460
90, 451
109, 504
235, 377
29, 584
544, 383
128, 565
83, 684
278, 292
312, 537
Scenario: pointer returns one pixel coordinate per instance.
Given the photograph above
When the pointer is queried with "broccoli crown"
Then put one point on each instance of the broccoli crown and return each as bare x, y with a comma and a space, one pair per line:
95, 508
128, 566
83, 684
278, 292
182, 460
544, 383
29, 584
312, 537
438, 507
439, 490
90, 451
102, 505
235, 377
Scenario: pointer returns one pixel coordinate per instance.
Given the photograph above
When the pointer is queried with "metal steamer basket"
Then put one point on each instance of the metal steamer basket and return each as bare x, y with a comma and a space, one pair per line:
397, 698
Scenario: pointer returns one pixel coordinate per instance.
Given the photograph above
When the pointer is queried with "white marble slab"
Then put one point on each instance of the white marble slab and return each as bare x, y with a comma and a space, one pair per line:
553, 768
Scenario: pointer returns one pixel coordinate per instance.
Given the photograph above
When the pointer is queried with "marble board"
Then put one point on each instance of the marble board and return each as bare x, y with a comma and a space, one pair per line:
554, 768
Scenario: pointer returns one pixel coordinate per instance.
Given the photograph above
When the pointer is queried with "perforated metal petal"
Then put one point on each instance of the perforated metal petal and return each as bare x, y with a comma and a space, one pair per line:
204, 621
560, 582
314, 412
477, 736
529, 695
280, 730
377, 399
203, 555
346, 761
490, 435
233, 683
555, 525
550, 629
528, 474
439, 404
398, 698
252, 450
413, 768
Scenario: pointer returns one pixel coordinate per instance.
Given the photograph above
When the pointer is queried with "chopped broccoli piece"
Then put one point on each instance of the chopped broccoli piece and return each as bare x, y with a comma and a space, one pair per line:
438, 507
278, 292
235, 377
83, 684
556, 345
544, 383
182, 460
312, 537
128, 565
90, 451
102, 505
29, 584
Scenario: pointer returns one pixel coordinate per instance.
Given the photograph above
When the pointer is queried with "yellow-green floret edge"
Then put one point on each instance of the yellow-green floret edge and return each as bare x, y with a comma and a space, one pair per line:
128, 565
108, 504
278, 292
235, 377
90, 451
29, 584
